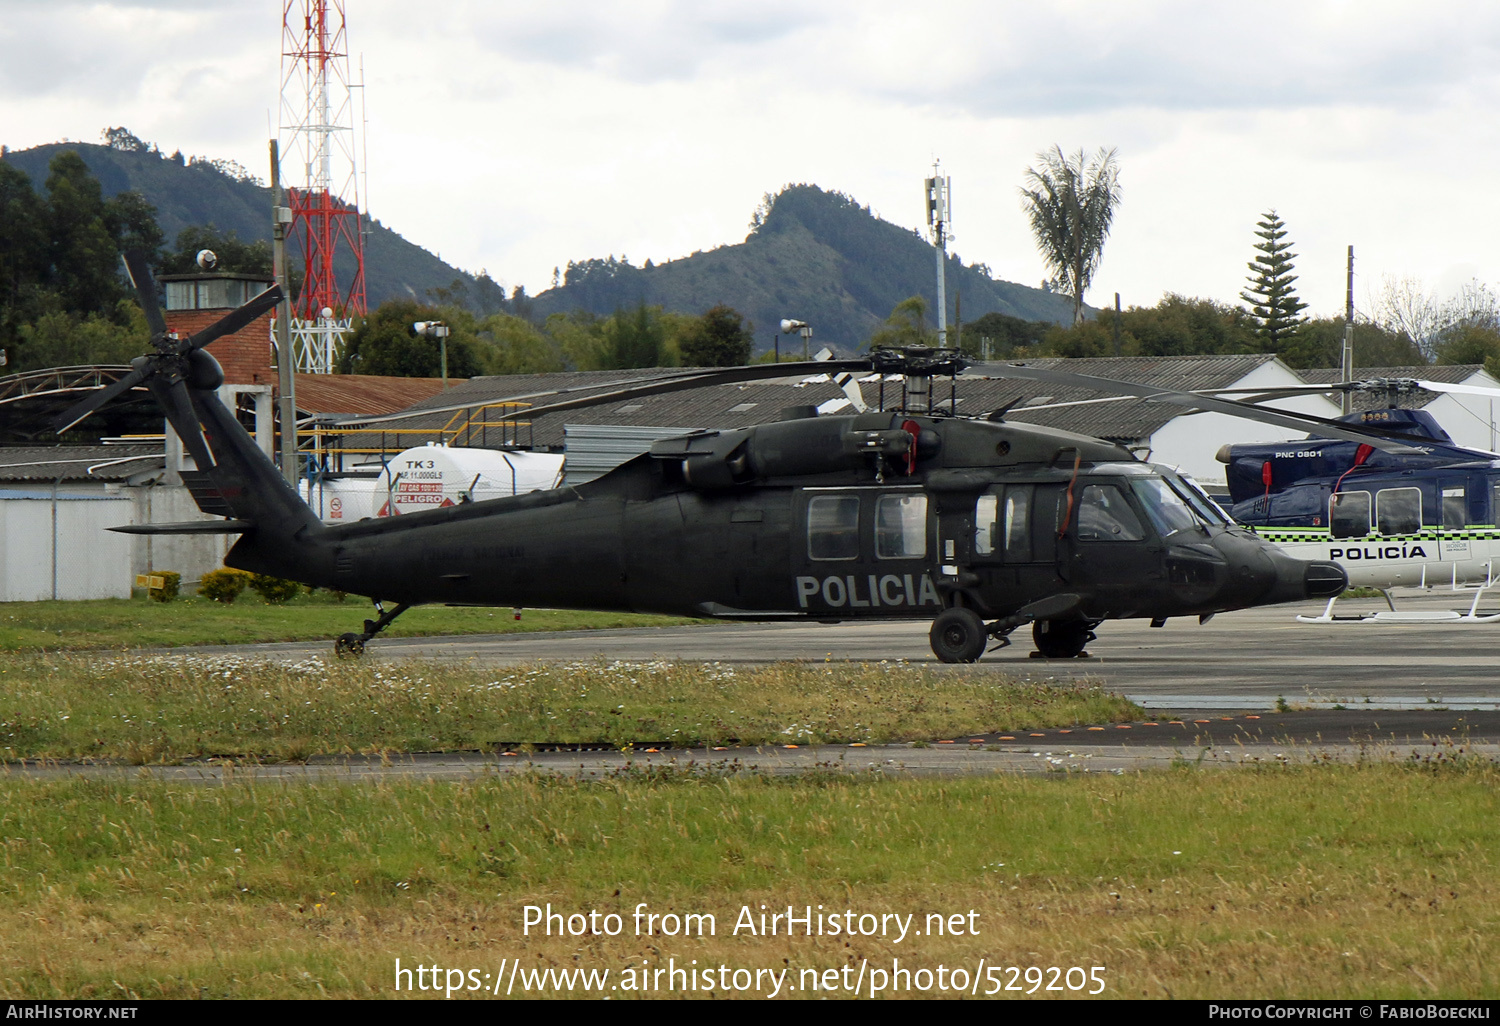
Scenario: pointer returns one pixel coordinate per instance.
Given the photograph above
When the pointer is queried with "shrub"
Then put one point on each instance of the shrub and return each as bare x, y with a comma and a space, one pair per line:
171, 583
223, 585
274, 589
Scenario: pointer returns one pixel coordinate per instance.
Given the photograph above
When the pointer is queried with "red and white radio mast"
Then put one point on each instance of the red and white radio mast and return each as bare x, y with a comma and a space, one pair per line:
317, 146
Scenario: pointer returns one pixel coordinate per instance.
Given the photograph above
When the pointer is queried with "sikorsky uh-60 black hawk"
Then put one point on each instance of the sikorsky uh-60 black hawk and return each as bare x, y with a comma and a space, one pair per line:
980, 525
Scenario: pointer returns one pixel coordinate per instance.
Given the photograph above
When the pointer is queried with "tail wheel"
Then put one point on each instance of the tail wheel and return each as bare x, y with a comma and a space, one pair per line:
1062, 639
958, 636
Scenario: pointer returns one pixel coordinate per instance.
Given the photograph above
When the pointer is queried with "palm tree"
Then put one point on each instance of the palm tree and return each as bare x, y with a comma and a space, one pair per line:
1071, 203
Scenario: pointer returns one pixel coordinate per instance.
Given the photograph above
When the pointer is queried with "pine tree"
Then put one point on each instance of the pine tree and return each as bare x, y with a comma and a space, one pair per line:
1273, 302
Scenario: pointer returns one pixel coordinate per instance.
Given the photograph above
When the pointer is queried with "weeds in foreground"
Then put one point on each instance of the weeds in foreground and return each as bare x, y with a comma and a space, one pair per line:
1330, 881
146, 709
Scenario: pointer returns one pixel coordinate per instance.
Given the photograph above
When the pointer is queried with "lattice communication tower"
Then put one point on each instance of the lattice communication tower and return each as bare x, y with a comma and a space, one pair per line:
317, 145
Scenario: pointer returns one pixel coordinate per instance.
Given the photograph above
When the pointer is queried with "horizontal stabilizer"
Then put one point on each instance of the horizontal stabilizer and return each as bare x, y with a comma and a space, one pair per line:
189, 527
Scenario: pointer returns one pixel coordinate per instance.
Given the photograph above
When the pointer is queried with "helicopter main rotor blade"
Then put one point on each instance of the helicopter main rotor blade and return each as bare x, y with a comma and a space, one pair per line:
1388, 441
235, 319
99, 398
139, 269
637, 387
194, 442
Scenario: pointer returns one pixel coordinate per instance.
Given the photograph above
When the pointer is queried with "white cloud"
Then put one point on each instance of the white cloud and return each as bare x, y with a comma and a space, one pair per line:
517, 136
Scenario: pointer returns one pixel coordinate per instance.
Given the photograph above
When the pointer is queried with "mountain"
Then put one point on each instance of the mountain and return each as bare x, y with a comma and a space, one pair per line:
814, 256
219, 193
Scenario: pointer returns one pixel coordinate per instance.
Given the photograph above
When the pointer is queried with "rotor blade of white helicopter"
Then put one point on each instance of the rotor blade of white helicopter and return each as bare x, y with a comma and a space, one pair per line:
1388, 441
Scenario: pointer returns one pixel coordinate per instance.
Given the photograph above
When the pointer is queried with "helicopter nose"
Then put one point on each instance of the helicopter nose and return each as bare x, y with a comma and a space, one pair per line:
1298, 579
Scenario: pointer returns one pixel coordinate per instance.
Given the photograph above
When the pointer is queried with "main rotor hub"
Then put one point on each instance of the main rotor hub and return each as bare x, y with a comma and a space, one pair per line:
917, 361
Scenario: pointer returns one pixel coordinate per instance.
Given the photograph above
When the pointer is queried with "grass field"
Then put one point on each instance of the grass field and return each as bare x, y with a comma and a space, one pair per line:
144, 709
1328, 881
138, 623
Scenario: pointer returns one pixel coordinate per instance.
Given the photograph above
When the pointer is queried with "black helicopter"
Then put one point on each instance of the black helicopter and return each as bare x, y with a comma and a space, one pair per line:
980, 525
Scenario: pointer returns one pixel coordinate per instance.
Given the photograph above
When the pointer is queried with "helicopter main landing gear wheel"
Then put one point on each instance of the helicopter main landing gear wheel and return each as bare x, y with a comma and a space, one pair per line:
352, 646
1062, 639
958, 636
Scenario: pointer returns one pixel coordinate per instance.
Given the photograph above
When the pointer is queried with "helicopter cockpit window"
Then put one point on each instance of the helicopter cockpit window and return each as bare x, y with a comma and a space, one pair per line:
833, 527
1168, 511
1349, 514
1399, 510
1104, 515
901, 527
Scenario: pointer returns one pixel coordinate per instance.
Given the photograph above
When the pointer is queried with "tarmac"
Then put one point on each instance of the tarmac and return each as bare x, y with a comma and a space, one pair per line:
1251, 688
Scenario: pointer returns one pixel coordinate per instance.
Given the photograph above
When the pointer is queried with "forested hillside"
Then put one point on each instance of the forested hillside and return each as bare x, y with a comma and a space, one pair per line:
200, 192
811, 255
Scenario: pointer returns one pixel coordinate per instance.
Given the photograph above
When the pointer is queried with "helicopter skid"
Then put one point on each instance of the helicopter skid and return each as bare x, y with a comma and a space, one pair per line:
1393, 615
1387, 616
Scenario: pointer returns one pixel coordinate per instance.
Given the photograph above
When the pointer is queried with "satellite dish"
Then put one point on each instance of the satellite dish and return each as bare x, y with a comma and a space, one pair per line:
207, 259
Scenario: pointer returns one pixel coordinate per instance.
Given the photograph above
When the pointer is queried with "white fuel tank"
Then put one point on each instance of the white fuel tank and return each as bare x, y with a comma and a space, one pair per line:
430, 477
433, 476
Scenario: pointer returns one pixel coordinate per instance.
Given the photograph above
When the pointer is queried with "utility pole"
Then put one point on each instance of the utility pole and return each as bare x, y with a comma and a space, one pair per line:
281, 216
1348, 361
1117, 324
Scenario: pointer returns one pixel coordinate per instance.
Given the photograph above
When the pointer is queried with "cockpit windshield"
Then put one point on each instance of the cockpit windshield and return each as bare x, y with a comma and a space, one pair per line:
1202, 504
1169, 511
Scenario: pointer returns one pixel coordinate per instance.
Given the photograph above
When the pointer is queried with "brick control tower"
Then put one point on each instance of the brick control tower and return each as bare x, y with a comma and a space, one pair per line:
194, 301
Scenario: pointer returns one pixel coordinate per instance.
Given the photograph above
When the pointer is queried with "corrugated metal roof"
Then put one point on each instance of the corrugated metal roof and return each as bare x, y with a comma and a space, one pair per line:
74, 462
740, 405
362, 394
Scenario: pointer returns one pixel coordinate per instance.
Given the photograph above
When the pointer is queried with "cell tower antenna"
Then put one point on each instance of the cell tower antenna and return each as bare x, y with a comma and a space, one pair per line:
939, 190
317, 143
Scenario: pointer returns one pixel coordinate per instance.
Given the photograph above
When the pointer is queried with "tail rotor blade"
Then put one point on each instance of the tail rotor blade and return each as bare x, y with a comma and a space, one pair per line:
81, 410
139, 269
236, 319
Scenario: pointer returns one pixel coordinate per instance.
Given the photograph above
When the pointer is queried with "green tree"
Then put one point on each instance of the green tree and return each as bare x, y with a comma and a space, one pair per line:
83, 253
1071, 203
906, 326
384, 343
1320, 343
634, 339
510, 345
234, 254
1002, 335
720, 338
23, 255
1471, 343
1273, 301
1175, 326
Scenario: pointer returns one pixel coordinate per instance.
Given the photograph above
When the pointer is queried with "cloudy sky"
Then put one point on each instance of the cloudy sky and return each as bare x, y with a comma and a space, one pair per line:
514, 135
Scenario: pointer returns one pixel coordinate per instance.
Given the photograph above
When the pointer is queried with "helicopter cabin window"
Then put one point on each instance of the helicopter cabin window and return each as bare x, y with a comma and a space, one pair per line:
1455, 508
901, 527
1399, 510
833, 527
1104, 515
1004, 524
1349, 514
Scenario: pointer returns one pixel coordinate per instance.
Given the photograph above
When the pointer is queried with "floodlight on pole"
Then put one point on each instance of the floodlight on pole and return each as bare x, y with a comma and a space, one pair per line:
439, 331
788, 326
